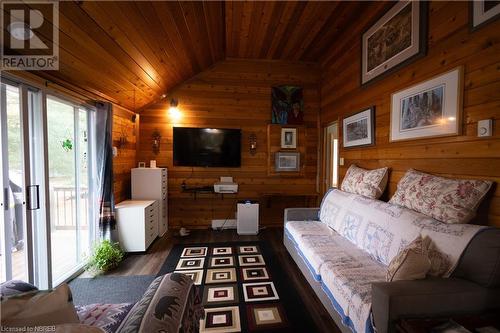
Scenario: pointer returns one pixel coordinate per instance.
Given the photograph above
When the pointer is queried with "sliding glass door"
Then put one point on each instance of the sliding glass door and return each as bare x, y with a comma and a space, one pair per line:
13, 250
68, 186
47, 168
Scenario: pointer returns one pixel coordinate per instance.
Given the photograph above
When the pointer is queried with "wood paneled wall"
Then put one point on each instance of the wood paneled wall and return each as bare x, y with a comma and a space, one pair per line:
234, 94
450, 44
124, 127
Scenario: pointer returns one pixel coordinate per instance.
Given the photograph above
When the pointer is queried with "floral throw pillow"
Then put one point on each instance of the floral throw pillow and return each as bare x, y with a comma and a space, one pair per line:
447, 200
412, 263
369, 183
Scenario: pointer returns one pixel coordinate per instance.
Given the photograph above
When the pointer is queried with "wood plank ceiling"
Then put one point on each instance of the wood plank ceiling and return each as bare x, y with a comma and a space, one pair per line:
133, 52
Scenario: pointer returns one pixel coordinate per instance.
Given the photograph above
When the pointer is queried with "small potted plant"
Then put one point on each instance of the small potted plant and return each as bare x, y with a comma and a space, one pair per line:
106, 255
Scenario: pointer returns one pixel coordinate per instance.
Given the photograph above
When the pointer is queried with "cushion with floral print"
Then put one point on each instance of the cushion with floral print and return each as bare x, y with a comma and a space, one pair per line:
445, 199
369, 183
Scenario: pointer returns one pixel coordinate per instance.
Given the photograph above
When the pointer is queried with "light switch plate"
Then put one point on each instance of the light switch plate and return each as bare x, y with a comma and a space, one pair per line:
341, 161
484, 127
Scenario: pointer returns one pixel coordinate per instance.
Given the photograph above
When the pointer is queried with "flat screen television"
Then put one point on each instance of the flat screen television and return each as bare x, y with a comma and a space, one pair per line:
207, 147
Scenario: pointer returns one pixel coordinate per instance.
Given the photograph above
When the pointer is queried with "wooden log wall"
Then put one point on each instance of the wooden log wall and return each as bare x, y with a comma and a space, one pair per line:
450, 44
125, 128
234, 94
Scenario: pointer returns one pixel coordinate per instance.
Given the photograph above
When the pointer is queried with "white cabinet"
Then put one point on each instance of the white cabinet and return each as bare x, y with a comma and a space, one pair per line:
137, 224
151, 184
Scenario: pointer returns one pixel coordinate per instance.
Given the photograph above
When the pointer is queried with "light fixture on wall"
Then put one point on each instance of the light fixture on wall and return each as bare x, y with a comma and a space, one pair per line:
252, 143
173, 110
156, 140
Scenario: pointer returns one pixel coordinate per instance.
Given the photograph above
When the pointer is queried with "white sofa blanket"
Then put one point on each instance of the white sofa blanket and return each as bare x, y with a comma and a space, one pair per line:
367, 235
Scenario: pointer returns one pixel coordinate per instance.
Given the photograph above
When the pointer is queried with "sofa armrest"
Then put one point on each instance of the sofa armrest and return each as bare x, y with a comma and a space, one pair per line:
301, 214
428, 298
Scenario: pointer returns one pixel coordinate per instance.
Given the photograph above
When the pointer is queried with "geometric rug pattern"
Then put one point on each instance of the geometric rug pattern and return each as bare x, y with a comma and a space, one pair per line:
238, 290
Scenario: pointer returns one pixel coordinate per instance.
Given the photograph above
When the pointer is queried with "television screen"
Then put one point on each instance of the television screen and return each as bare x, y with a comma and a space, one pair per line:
207, 147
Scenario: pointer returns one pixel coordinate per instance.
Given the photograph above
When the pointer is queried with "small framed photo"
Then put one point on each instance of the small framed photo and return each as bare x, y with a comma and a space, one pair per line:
359, 129
430, 109
287, 161
483, 12
142, 164
289, 138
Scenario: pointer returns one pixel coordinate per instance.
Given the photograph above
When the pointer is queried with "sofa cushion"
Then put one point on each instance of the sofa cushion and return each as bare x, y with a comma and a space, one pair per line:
369, 183
447, 200
297, 229
347, 282
39, 308
480, 262
107, 317
333, 203
412, 263
15, 287
317, 250
154, 311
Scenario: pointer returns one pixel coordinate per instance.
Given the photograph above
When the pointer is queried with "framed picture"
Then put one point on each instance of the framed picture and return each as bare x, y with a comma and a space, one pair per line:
287, 161
359, 129
287, 105
483, 12
142, 164
289, 138
397, 38
429, 109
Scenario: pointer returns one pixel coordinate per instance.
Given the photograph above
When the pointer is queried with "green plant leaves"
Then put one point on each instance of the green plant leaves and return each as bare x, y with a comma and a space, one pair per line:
105, 256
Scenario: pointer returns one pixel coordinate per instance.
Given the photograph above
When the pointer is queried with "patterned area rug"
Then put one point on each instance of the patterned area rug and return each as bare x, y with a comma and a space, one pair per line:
244, 287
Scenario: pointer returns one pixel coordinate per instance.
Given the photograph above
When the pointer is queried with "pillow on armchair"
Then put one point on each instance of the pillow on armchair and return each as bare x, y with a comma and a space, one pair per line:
444, 199
39, 308
369, 183
15, 287
412, 263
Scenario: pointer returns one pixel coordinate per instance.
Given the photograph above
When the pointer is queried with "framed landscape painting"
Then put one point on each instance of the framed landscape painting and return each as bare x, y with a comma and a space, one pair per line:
359, 129
483, 12
397, 38
429, 109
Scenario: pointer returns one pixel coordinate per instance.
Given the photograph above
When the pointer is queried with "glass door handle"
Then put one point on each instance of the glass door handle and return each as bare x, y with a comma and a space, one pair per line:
5, 202
33, 196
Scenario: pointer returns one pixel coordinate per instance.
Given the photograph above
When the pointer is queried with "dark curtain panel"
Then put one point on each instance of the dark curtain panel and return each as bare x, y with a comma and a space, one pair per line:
104, 155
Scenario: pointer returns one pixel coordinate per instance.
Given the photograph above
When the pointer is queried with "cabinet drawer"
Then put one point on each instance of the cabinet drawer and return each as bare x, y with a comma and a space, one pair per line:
150, 237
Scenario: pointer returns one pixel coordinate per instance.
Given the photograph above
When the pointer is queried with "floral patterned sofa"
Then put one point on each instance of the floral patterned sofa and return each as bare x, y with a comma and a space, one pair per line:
344, 249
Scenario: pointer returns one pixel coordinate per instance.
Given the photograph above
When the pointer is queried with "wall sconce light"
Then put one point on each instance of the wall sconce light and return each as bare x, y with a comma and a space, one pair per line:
156, 140
173, 111
122, 140
253, 143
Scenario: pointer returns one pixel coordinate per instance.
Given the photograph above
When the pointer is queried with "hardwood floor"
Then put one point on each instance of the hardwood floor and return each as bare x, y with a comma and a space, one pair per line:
150, 262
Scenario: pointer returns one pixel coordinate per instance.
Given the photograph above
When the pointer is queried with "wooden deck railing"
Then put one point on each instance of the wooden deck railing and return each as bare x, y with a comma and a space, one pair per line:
63, 207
